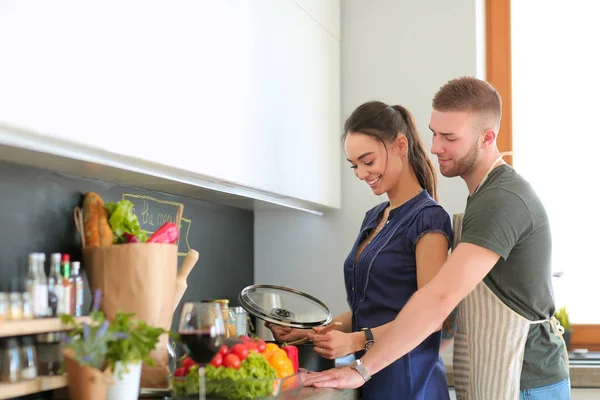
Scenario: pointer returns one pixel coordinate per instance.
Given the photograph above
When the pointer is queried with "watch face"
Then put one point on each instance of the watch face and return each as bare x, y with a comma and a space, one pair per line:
369, 344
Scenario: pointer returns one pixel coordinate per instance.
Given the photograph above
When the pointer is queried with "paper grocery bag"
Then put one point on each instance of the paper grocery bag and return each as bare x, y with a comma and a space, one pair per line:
139, 278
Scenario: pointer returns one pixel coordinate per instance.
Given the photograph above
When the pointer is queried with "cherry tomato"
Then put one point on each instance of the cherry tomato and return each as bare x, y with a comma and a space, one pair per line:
217, 360
187, 363
262, 346
240, 350
251, 346
224, 350
231, 361
179, 372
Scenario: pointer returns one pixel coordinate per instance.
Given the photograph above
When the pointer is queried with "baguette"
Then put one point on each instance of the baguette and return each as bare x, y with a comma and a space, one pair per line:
95, 221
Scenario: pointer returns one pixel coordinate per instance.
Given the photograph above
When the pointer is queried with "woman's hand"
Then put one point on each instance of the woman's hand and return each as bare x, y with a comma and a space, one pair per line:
333, 344
284, 333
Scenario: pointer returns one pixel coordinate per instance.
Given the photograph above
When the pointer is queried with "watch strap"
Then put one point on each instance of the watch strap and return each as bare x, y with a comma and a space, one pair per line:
360, 368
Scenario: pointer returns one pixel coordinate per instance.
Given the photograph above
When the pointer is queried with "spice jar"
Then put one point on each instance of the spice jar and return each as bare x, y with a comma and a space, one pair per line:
28, 359
16, 306
27, 305
10, 361
4, 307
49, 356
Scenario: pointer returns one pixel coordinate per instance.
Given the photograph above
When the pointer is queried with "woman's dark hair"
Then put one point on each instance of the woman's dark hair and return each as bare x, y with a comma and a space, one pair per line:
385, 123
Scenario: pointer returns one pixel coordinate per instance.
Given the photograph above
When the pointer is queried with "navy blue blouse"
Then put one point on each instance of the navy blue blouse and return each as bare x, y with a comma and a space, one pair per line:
380, 283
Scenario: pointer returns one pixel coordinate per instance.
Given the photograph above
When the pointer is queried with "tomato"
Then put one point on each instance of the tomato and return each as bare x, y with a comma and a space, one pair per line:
240, 351
187, 363
231, 361
262, 346
217, 360
224, 350
179, 372
245, 338
251, 346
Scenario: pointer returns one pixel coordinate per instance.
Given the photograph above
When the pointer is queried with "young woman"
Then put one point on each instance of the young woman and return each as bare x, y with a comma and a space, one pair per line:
401, 246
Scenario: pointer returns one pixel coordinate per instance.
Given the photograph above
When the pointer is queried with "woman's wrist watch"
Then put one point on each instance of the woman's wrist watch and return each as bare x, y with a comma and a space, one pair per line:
360, 368
370, 341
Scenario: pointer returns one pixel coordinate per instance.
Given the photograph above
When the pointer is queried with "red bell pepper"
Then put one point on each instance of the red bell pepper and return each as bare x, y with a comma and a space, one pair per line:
130, 238
292, 353
168, 233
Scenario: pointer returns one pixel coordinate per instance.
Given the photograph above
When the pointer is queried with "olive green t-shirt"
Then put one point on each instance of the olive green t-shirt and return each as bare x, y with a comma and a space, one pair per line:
506, 216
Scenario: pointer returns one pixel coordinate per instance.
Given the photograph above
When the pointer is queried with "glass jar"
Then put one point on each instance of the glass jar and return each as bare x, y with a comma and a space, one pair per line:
27, 306
240, 320
28, 359
10, 361
16, 306
230, 330
49, 356
4, 307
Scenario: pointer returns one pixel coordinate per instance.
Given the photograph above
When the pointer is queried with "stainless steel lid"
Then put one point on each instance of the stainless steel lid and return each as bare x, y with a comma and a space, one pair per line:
284, 306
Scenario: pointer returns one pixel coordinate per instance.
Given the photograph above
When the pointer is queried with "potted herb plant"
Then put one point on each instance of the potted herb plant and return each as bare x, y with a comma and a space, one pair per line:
563, 317
116, 348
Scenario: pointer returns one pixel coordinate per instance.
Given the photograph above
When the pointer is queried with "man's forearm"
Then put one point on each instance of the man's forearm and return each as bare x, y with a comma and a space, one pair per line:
419, 318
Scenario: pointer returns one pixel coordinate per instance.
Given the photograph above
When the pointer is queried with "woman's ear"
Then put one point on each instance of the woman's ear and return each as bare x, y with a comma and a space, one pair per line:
401, 145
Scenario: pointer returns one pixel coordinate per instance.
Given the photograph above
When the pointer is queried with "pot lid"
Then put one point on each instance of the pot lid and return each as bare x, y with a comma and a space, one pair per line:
284, 306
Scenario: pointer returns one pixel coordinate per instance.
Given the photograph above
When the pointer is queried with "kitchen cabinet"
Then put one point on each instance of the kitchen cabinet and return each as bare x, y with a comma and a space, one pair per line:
242, 93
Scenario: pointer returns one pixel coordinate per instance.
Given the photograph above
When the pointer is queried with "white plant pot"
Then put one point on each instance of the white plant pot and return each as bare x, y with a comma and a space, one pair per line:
126, 384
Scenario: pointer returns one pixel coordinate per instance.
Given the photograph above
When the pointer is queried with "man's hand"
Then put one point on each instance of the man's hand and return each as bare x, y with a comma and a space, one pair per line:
338, 378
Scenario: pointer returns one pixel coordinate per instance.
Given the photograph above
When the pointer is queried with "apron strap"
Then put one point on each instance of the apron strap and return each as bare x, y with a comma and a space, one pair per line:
558, 330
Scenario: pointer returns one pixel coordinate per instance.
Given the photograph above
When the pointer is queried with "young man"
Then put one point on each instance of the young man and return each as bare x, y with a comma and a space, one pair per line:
507, 344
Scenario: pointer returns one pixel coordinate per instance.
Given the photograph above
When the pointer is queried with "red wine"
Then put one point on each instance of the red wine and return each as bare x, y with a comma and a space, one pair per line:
201, 346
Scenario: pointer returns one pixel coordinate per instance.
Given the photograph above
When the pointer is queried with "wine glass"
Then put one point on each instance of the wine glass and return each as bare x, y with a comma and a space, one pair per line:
202, 332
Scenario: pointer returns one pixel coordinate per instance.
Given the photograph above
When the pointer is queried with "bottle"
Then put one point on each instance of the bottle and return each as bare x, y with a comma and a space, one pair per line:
31, 281
55, 286
68, 290
41, 301
78, 285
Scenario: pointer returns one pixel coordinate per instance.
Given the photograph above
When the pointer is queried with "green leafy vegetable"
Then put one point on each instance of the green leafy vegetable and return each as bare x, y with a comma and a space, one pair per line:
122, 220
254, 379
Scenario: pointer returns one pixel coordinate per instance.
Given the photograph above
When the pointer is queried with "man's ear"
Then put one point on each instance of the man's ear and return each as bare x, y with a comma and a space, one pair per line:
488, 137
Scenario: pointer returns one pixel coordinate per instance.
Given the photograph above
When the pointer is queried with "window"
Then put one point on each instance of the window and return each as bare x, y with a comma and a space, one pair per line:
541, 56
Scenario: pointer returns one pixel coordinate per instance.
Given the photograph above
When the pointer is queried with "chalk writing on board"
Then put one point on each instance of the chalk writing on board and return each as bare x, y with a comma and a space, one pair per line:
152, 213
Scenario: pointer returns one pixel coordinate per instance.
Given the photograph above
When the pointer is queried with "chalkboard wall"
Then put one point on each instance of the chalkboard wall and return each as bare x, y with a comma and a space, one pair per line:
36, 215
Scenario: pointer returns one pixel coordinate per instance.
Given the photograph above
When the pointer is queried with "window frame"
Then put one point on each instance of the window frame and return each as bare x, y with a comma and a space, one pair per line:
499, 74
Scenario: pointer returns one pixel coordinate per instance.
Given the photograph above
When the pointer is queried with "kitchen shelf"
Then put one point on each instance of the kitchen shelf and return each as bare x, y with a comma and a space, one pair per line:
33, 326
40, 384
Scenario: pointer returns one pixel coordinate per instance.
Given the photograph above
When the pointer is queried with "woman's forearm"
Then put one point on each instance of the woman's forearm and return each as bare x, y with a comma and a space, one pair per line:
346, 320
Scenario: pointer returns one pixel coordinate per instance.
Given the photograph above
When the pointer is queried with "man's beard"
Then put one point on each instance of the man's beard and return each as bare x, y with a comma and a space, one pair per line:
464, 165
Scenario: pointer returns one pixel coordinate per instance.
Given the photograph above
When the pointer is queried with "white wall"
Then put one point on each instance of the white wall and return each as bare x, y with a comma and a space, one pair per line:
397, 52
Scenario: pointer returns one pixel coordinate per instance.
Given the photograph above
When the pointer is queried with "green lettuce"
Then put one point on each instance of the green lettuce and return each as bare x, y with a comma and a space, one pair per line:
254, 379
122, 220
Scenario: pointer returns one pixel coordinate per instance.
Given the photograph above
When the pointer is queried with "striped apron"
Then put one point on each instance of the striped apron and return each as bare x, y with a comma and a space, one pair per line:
489, 344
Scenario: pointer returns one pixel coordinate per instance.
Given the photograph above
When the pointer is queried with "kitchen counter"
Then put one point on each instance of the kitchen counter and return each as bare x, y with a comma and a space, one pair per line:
582, 376
307, 393
310, 393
